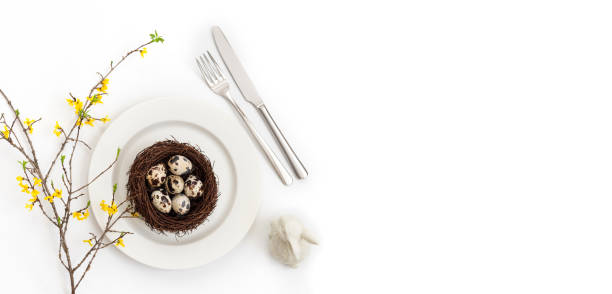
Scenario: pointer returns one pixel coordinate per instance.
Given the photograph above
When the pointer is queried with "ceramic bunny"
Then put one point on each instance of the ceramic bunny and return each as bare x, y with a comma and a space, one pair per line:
289, 241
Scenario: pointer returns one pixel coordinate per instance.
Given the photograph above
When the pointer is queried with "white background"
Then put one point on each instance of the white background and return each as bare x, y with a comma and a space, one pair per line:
453, 147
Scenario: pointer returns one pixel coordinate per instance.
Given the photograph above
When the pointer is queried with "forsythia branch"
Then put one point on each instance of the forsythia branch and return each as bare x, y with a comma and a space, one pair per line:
43, 192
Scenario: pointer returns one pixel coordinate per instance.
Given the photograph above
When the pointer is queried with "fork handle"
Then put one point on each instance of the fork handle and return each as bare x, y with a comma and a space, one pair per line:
297, 165
280, 169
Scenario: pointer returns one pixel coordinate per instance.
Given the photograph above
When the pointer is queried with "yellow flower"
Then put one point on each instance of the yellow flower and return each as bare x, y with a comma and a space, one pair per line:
34, 193
57, 194
33, 199
88, 242
37, 182
105, 119
135, 214
112, 209
95, 99
6, 132
29, 206
29, 123
24, 188
78, 123
90, 121
120, 242
78, 106
103, 88
105, 82
81, 216
20, 178
57, 129
143, 51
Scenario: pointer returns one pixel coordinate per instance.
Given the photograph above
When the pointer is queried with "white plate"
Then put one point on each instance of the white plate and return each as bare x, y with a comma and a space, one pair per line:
233, 156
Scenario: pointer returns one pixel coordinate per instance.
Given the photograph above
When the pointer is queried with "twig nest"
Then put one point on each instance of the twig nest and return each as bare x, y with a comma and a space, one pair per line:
181, 204
289, 241
175, 184
161, 201
180, 165
164, 207
193, 187
156, 176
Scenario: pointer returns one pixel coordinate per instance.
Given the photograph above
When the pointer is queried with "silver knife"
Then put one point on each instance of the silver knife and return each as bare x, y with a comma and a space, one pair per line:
250, 94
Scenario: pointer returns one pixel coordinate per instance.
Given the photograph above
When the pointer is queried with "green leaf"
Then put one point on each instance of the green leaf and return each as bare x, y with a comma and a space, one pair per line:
88, 203
63, 158
118, 151
114, 188
59, 221
156, 37
17, 112
23, 164
83, 114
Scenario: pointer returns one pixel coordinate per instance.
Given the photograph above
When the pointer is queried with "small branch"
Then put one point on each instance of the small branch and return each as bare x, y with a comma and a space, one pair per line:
95, 178
75, 140
79, 196
60, 256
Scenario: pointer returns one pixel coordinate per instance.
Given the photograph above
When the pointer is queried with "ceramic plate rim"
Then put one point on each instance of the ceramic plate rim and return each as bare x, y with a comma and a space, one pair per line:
241, 150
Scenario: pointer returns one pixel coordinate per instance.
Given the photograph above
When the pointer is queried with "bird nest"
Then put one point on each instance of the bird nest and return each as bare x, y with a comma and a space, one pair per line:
139, 192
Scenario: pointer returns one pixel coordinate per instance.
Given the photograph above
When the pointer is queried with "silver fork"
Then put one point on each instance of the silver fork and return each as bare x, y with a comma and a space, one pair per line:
211, 74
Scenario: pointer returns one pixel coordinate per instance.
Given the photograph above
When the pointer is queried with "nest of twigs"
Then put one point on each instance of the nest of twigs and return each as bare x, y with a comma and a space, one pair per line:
139, 192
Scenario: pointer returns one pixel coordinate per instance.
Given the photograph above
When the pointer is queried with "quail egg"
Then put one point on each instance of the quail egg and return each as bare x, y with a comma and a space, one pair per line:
174, 184
180, 165
156, 176
193, 187
180, 204
161, 201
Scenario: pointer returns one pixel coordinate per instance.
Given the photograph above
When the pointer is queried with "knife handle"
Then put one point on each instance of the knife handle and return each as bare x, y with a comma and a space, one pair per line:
298, 167
280, 169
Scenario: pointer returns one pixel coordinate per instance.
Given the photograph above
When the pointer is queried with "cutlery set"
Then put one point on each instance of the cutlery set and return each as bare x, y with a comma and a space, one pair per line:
218, 83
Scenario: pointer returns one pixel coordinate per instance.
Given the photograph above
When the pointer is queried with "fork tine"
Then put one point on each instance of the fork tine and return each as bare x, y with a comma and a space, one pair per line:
200, 67
207, 71
211, 71
203, 72
217, 68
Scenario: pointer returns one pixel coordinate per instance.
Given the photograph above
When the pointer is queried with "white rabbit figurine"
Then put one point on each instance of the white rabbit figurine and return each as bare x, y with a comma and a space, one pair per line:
288, 240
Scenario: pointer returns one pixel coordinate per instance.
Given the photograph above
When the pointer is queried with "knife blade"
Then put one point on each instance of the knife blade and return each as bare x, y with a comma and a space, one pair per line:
247, 88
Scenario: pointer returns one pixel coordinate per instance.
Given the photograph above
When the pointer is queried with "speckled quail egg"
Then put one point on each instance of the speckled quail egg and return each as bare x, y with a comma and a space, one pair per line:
161, 201
156, 176
174, 184
180, 165
193, 187
180, 204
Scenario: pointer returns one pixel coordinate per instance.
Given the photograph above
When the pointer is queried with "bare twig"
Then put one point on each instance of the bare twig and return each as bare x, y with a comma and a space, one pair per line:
96, 177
